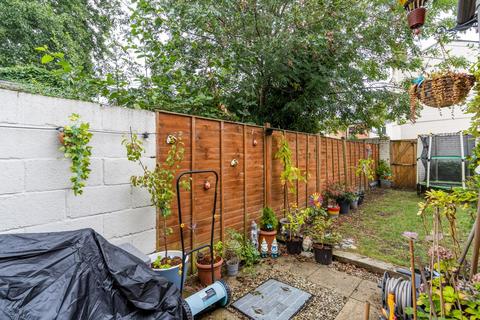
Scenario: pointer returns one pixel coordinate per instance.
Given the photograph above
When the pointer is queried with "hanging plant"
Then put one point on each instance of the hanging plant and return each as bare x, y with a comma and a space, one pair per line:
75, 139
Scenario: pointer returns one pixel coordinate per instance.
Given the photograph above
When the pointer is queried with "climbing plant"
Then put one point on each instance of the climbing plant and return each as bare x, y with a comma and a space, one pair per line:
159, 181
75, 140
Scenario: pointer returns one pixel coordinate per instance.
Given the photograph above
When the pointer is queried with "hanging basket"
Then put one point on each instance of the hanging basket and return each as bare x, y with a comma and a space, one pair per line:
441, 91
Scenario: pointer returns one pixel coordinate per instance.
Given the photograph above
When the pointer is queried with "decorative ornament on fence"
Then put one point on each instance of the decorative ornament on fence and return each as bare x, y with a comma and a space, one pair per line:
234, 163
416, 12
206, 185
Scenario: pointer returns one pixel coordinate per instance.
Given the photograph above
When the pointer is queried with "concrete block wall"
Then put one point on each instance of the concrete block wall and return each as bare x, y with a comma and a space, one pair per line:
35, 194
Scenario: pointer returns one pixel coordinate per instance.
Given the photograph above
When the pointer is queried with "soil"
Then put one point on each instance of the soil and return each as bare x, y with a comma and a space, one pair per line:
207, 260
172, 261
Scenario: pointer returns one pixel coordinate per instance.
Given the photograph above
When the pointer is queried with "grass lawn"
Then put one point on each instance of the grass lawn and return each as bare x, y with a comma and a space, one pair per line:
377, 226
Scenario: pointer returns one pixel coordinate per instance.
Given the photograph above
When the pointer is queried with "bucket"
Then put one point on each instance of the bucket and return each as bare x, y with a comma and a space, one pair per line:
344, 206
232, 267
171, 274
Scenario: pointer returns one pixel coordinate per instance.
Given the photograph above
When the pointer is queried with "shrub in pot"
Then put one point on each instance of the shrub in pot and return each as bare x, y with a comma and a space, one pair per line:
324, 238
384, 173
268, 227
237, 245
204, 264
296, 220
341, 194
233, 252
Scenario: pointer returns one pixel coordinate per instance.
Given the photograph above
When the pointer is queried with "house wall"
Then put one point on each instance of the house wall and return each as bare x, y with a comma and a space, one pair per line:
35, 194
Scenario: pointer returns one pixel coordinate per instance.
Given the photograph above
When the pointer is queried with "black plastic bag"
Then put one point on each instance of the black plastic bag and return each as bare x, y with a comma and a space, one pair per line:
79, 275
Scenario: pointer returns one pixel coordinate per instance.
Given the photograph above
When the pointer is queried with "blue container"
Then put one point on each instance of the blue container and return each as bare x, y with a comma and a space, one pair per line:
171, 274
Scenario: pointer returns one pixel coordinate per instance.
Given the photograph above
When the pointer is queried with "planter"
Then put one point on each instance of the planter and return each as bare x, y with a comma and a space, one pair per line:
294, 246
205, 272
171, 274
416, 18
61, 137
232, 267
385, 183
354, 204
333, 211
361, 197
268, 236
344, 206
323, 254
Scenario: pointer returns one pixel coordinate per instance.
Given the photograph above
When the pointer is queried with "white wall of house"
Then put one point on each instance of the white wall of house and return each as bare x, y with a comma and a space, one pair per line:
35, 194
431, 121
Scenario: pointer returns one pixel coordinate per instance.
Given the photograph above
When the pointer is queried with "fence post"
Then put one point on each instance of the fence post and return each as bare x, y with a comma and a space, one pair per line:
319, 168
222, 205
344, 154
245, 212
267, 161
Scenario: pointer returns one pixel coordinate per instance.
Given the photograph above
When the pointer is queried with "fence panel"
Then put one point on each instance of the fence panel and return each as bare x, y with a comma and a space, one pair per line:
244, 157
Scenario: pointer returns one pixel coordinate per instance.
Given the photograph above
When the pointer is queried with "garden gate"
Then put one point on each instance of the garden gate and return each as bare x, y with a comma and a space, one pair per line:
403, 160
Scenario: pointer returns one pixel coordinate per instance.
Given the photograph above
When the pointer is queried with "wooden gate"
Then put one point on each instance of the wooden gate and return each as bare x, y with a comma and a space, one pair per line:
403, 160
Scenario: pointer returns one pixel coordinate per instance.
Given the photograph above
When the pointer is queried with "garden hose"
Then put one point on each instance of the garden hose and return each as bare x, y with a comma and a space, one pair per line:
402, 289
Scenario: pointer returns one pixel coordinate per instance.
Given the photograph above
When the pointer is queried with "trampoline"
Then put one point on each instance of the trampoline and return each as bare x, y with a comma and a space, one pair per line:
443, 160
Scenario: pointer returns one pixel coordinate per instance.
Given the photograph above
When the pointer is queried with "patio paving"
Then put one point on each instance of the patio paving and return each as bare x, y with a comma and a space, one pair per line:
355, 290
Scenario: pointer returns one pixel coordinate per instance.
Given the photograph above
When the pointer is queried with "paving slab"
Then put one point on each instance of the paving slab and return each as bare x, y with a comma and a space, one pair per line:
354, 310
340, 282
367, 291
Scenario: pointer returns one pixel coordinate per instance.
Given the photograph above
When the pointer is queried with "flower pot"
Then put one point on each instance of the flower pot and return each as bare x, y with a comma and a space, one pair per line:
361, 197
322, 254
333, 211
61, 137
268, 236
294, 246
172, 274
416, 18
344, 206
354, 204
232, 267
385, 183
205, 272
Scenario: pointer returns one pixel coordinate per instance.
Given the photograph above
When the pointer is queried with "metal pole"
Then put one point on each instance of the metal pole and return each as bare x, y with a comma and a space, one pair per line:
429, 159
463, 159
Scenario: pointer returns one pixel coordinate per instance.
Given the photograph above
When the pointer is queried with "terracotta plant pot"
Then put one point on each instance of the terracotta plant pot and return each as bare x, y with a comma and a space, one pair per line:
269, 236
323, 254
294, 246
416, 18
333, 211
205, 272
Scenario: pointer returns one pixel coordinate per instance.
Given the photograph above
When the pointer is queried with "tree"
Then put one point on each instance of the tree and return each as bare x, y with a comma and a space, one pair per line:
77, 28
304, 65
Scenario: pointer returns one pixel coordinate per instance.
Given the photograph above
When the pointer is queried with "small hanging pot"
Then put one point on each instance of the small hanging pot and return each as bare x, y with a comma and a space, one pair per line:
416, 18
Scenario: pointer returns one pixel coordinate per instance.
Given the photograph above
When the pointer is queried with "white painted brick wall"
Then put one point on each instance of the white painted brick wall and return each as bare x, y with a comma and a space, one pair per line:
35, 194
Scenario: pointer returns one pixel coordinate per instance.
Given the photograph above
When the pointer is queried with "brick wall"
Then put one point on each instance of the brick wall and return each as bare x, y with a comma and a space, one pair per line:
35, 194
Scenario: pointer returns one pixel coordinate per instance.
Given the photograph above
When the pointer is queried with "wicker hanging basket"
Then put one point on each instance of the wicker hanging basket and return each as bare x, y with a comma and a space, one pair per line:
440, 91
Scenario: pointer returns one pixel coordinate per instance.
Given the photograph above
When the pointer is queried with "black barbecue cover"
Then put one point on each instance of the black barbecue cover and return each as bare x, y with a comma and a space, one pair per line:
79, 275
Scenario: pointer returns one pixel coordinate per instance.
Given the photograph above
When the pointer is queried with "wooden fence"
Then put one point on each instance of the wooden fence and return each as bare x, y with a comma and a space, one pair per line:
246, 188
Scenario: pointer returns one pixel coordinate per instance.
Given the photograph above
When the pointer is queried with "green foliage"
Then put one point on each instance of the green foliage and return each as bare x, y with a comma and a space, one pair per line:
290, 174
383, 170
243, 248
78, 28
320, 229
365, 167
268, 221
159, 181
76, 138
300, 65
296, 219
339, 192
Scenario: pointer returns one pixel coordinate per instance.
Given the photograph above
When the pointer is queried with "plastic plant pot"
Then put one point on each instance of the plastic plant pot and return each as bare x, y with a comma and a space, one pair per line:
416, 18
354, 204
232, 267
361, 197
205, 272
172, 274
323, 254
268, 236
344, 206
294, 246
385, 183
333, 211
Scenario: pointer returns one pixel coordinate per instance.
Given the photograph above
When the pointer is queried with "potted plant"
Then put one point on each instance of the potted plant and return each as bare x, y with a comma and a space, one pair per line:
294, 227
233, 252
268, 227
365, 171
324, 238
204, 264
354, 203
159, 184
384, 173
341, 194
